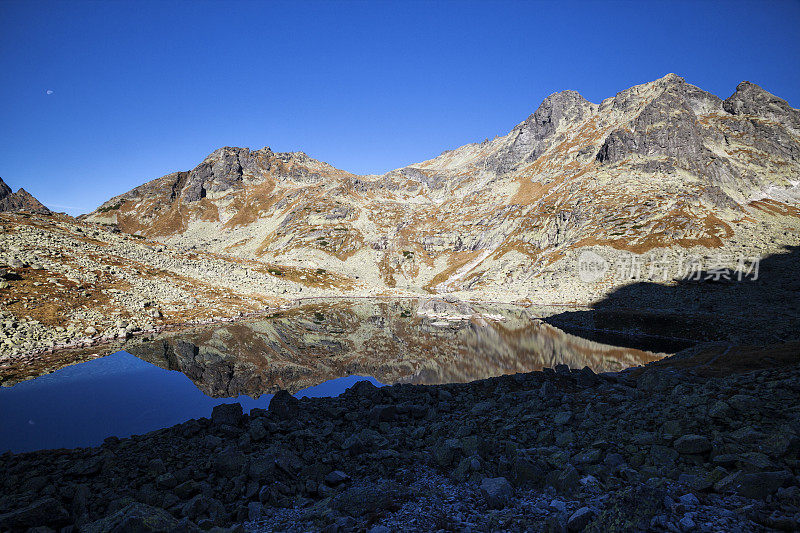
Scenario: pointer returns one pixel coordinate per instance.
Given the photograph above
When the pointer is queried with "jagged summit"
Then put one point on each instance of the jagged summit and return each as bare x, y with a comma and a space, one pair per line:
750, 99
21, 200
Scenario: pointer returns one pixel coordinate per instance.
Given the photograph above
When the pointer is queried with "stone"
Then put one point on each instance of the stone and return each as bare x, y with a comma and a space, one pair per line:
587, 378
212, 441
363, 388
254, 510
482, 408
186, 489
663, 456
382, 413
227, 413
562, 418
283, 405
561, 369
567, 479
558, 505
44, 512
687, 523
580, 519
526, 471
134, 518
368, 497
445, 453
353, 445
229, 462
166, 481
202, 506
689, 500
257, 430
614, 461
759, 485
721, 411
336, 477
497, 492
590, 456
692, 444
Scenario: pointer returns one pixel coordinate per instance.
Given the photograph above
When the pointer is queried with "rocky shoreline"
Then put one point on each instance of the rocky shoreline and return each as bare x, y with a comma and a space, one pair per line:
664, 449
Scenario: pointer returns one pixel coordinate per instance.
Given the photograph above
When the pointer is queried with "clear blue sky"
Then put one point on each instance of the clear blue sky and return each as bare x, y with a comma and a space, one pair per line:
142, 89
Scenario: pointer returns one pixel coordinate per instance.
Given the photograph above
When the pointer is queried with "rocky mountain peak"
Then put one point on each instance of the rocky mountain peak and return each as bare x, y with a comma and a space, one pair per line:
750, 99
21, 200
556, 107
532, 137
670, 79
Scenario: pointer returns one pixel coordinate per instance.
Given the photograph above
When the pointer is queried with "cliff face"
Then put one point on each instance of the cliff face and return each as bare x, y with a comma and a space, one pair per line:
663, 167
21, 200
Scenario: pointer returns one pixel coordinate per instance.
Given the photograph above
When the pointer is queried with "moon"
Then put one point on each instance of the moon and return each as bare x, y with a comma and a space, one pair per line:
49, 91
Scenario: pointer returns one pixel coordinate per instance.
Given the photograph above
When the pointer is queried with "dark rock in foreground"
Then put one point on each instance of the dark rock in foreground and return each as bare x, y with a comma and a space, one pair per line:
559, 451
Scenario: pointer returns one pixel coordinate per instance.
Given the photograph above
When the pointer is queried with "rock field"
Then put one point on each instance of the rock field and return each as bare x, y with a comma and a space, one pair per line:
664, 449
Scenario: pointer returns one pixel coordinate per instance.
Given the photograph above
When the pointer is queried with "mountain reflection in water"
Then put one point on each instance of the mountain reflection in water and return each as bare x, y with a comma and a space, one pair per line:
398, 341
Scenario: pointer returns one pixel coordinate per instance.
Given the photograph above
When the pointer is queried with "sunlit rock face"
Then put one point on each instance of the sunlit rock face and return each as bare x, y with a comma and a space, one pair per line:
391, 341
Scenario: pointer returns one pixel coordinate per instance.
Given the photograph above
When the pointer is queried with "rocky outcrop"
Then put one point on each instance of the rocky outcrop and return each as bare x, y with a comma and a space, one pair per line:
667, 126
532, 138
21, 200
750, 99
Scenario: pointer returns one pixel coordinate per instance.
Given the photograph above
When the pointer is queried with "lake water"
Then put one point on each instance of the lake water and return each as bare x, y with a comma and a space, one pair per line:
315, 350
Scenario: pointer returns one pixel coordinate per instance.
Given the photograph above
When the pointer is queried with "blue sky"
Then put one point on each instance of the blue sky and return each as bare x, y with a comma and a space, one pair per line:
146, 88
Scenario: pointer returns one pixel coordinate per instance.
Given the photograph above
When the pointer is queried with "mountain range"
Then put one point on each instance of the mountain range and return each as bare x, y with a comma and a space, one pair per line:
662, 167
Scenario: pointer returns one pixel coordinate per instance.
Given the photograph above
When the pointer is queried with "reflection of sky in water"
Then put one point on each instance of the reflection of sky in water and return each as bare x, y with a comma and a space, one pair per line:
120, 395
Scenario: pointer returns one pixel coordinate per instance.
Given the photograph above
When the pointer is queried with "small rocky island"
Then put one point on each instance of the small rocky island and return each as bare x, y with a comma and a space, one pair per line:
694, 442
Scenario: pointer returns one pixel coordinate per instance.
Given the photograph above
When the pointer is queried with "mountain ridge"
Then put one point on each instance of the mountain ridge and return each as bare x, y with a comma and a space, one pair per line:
682, 167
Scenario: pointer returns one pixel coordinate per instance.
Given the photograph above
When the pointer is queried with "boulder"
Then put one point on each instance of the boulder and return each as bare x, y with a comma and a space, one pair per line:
283, 405
136, 518
44, 512
365, 389
336, 477
580, 519
203, 507
692, 444
257, 430
227, 413
756, 485
526, 471
497, 492
229, 462
366, 498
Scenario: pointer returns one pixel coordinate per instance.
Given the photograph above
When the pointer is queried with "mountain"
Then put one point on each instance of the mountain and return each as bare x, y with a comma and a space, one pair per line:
662, 169
21, 200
